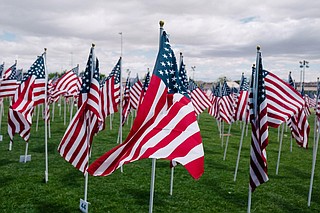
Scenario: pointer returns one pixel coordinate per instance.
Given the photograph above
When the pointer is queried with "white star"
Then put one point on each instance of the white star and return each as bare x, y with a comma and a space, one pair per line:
176, 85
163, 64
165, 56
174, 78
160, 71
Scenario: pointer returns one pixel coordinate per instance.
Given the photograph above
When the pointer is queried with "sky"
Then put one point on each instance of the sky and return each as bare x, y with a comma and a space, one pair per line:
217, 38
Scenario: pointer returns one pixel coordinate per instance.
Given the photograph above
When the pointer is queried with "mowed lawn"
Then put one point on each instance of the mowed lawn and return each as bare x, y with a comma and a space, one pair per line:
22, 188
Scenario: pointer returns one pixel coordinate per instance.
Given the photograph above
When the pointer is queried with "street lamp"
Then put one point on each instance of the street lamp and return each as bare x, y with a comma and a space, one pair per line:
193, 69
303, 65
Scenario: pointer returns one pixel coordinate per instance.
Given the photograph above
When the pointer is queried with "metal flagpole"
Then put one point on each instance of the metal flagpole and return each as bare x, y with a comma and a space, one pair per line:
239, 151
64, 111
280, 147
38, 114
161, 23
255, 111
227, 141
45, 123
71, 108
121, 93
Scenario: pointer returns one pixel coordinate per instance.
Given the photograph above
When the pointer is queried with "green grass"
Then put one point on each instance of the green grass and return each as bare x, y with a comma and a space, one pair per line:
22, 188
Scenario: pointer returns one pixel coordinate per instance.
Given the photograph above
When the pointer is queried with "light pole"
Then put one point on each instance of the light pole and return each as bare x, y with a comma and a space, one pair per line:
303, 65
193, 69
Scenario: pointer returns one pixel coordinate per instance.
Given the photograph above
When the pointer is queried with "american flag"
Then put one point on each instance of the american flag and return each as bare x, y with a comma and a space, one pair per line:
242, 103
167, 128
1, 69
283, 100
259, 125
290, 81
30, 93
9, 85
215, 102
317, 108
199, 99
75, 144
19, 74
144, 88
135, 92
67, 85
110, 91
226, 106
126, 107
8, 72
183, 74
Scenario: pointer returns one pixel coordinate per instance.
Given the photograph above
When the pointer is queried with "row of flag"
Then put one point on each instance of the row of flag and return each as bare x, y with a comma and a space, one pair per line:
167, 104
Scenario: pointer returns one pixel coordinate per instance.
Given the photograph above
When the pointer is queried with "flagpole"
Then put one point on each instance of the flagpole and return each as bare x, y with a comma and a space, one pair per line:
239, 151
45, 123
227, 141
64, 111
280, 147
315, 151
255, 111
38, 114
121, 92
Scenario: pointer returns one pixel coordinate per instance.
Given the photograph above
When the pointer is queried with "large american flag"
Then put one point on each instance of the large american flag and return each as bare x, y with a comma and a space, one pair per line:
226, 106
110, 91
68, 85
199, 99
9, 85
135, 92
76, 142
167, 128
30, 93
259, 125
241, 112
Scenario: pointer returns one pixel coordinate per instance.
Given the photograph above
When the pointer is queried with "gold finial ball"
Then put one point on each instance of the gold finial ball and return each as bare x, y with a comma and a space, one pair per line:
161, 23
258, 47
93, 45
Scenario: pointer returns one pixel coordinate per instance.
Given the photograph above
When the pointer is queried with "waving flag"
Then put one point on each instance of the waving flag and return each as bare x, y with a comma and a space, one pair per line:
1, 69
110, 92
166, 128
30, 93
226, 108
199, 99
135, 92
75, 144
126, 107
68, 85
259, 125
290, 81
8, 72
242, 103
9, 85
144, 88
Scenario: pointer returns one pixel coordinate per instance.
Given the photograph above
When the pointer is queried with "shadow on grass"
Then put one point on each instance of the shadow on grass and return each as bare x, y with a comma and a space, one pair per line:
40, 149
72, 178
4, 162
53, 207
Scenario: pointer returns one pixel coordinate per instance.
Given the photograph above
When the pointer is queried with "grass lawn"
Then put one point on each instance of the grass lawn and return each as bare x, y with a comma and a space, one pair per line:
22, 188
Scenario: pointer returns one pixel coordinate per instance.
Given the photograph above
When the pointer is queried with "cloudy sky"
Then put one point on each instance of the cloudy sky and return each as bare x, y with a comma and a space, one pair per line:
219, 38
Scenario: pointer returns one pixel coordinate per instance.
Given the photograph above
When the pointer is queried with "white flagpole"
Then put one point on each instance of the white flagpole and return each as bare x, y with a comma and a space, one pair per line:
53, 105
121, 93
1, 112
225, 149
280, 147
222, 132
315, 151
71, 108
64, 111
110, 122
153, 174
171, 180
46, 123
38, 113
26, 152
239, 151
60, 105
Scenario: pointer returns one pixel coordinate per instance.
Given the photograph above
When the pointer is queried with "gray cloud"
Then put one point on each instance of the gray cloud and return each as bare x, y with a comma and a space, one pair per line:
218, 37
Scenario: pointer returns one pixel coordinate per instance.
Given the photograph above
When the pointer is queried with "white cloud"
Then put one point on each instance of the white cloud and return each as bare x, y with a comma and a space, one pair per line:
218, 37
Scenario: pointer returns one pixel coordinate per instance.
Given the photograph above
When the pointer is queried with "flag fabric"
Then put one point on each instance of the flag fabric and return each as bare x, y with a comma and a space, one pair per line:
226, 106
126, 107
283, 100
300, 128
8, 72
76, 142
241, 111
1, 69
135, 92
214, 109
290, 81
259, 125
67, 85
19, 74
110, 92
9, 85
199, 99
144, 88
30, 93
317, 108
166, 128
